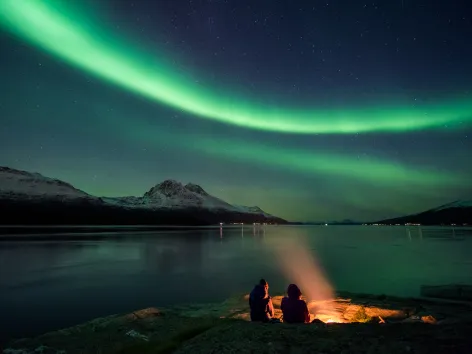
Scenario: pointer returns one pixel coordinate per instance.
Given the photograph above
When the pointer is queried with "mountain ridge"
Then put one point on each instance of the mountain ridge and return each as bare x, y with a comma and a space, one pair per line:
458, 212
24, 193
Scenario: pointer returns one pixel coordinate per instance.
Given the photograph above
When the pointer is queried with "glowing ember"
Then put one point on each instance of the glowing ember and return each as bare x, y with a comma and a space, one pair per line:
333, 320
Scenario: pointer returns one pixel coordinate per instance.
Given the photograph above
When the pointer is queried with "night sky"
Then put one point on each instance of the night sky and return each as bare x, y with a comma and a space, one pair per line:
312, 110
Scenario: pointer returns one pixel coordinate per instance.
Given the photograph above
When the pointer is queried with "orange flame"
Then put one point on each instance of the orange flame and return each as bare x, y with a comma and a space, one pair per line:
301, 267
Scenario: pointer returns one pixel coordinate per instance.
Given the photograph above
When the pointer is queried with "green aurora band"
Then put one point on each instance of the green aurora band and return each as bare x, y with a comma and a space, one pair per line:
374, 171
61, 29
365, 169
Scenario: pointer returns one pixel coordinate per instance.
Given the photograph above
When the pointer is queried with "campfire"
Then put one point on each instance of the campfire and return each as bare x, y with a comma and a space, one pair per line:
326, 311
344, 311
329, 320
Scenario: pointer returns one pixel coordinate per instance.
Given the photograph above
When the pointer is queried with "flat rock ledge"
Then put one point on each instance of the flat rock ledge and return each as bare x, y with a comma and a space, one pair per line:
363, 324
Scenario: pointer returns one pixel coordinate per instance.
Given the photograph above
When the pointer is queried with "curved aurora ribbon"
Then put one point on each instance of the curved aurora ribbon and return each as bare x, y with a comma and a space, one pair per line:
67, 33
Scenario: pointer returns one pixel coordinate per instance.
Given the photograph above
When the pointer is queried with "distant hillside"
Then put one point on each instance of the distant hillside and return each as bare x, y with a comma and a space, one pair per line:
29, 198
327, 223
458, 212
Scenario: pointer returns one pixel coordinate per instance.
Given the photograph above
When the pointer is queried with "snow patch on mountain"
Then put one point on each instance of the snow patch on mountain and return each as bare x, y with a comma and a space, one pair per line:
126, 202
22, 184
456, 204
196, 189
250, 209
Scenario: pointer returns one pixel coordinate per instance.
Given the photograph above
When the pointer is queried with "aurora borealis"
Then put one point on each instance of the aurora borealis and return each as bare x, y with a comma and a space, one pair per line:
60, 30
313, 111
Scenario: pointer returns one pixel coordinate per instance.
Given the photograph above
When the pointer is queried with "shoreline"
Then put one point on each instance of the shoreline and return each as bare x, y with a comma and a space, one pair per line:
198, 327
67, 232
72, 232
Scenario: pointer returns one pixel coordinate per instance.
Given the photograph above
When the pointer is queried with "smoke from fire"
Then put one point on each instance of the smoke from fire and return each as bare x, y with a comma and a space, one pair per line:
300, 266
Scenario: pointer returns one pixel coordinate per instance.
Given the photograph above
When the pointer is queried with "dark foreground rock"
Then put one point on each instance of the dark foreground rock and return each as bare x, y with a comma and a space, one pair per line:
452, 291
246, 337
392, 325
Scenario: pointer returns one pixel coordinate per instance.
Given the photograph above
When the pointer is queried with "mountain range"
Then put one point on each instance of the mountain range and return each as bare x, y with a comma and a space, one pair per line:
33, 199
28, 198
458, 213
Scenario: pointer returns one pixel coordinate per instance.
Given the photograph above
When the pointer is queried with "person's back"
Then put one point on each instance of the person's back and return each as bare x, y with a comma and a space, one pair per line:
294, 309
261, 303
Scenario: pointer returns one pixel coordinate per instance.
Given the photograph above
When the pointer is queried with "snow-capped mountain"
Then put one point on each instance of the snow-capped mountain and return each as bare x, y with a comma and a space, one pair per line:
458, 212
167, 202
173, 194
22, 184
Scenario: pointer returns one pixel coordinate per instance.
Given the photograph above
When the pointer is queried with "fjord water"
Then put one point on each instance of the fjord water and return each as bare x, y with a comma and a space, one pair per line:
58, 282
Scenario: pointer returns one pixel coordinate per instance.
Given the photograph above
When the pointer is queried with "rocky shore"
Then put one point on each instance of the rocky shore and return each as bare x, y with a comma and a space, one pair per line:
357, 324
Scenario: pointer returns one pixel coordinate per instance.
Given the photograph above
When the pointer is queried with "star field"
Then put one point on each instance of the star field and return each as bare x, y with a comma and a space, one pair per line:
313, 110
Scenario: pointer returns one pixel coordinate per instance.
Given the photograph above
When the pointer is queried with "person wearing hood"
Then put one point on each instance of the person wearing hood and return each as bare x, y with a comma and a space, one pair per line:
262, 309
293, 307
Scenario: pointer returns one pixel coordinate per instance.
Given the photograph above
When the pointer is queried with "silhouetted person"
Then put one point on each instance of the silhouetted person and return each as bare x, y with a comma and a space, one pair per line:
293, 307
260, 303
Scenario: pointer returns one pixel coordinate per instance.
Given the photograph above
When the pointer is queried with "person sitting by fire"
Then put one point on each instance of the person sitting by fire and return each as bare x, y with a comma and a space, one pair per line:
262, 309
293, 307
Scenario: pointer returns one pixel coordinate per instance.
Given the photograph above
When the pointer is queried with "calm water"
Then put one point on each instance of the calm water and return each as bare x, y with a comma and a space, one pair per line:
46, 285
